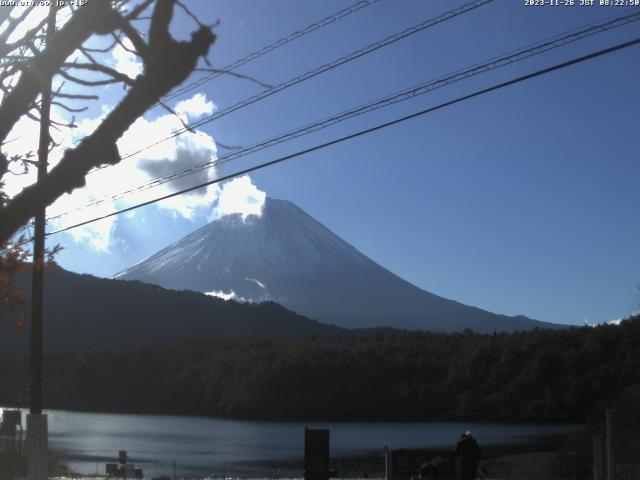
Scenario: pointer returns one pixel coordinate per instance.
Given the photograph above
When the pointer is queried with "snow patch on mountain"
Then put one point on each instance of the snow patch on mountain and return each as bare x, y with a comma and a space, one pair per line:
231, 295
257, 282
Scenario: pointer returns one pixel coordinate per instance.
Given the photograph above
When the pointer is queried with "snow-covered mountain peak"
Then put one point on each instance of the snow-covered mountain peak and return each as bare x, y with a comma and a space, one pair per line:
287, 256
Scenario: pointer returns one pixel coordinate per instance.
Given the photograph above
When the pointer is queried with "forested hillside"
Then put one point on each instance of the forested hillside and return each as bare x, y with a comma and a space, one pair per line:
541, 375
85, 313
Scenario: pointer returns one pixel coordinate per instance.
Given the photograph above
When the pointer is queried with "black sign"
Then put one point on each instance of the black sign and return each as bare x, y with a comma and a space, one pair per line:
112, 469
316, 454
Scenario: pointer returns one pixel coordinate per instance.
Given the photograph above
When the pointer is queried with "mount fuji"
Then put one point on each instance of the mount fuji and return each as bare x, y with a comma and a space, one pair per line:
286, 256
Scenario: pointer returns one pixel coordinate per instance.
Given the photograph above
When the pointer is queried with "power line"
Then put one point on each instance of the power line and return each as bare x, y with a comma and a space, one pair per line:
312, 73
271, 47
360, 133
406, 94
319, 70
258, 53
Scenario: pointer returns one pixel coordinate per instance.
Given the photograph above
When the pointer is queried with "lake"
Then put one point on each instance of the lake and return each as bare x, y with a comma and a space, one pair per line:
204, 446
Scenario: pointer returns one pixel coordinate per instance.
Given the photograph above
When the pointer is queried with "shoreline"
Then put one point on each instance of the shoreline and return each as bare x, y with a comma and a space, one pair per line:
504, 457
499, 461
293, 420
153, 442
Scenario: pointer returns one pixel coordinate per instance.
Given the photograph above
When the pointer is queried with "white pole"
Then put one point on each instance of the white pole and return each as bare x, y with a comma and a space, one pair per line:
37, 446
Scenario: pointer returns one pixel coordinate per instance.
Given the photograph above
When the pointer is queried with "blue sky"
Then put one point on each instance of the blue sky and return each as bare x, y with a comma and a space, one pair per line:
523, 201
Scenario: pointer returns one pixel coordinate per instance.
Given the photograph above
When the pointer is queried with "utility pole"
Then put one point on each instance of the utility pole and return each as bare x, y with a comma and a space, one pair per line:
37, 430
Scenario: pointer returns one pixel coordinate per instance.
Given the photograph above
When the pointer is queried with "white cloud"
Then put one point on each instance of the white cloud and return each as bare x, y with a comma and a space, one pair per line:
240, 195
125, 61
195, 107
24, 138
170, 156
86, 126
31, 21
22, 142
167, 157
96, 235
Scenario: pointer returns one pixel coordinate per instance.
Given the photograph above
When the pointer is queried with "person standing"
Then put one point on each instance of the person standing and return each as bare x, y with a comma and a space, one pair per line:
428, 471
469, 453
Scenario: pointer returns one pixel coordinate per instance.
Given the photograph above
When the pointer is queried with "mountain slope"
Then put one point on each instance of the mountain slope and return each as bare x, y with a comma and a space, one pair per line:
287, 256
82, 312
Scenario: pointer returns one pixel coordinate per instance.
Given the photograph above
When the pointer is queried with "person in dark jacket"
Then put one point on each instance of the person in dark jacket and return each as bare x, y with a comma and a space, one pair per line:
428, 471
469, 453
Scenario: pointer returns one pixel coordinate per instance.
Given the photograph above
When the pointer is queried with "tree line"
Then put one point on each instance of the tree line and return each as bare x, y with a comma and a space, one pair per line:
539, 375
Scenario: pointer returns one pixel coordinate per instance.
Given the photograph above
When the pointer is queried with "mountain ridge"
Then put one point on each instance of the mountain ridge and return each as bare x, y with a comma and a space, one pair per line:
287, 256
84, 313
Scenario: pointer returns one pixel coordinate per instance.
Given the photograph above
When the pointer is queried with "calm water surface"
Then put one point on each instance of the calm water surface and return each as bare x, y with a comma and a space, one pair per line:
203, 445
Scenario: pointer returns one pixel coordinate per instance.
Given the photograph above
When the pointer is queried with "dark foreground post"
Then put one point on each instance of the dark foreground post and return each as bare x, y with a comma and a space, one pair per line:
316, 454
611, 450
598, 457
37, 431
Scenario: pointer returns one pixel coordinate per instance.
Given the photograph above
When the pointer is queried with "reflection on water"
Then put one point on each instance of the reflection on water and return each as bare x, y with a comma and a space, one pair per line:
202, 446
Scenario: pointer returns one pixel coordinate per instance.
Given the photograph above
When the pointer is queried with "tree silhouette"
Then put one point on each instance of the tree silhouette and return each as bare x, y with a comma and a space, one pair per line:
167, 63
28, 60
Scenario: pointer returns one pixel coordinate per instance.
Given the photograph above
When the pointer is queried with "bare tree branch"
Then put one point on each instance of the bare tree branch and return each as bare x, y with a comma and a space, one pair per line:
137, 10
168, 64
94, 17
87, 83
14, 22
160, 20
5, 13
7, 48
68, 108
141, 48
227, 147
88, 56
236, 75
101, 50
185, 125
76, 96
97, 67
190, 13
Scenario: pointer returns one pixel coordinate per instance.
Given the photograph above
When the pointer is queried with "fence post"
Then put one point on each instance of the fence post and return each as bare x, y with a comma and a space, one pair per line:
598, 457
37, 447
388, 474
316, 454
611, 450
